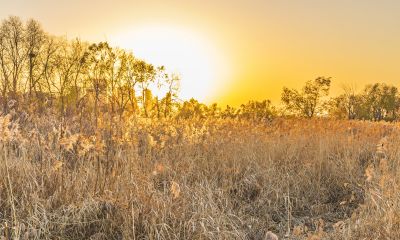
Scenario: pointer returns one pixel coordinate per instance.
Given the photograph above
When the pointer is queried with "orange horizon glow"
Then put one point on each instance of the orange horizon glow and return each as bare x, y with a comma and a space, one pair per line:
233, 51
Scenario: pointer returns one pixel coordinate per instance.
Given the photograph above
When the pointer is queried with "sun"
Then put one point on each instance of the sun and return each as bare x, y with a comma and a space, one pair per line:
202, 66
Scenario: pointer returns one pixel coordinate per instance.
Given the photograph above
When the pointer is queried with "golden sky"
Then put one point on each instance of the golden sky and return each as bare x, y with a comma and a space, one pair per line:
231, 51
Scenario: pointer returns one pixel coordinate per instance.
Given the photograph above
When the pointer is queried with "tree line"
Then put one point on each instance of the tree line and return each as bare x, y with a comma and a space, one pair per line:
376, 102
40, 72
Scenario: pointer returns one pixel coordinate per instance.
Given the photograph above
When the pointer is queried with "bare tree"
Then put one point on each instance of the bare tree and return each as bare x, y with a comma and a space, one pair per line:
145, 74
5, 67
15, 54
98, 72
125, 84
35, 39
172, 82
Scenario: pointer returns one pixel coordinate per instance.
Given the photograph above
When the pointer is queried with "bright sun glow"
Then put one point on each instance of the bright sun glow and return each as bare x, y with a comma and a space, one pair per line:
203, 69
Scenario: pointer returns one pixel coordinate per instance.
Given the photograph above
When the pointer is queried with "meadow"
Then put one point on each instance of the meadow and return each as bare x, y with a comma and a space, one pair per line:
198, 179
97, 143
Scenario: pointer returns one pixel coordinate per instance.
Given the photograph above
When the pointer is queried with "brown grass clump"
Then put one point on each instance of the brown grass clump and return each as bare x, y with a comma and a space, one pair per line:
199, 179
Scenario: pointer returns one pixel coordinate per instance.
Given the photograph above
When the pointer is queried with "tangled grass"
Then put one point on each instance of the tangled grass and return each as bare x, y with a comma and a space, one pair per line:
199, 179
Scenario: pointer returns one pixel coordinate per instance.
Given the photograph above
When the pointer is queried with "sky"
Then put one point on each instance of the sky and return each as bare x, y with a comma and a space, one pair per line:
231, 51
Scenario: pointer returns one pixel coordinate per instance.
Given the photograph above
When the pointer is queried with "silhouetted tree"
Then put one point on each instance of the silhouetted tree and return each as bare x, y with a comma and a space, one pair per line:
346, 105
306, 102
381, 101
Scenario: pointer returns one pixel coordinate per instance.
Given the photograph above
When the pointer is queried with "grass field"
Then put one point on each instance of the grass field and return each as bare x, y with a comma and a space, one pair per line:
199, 179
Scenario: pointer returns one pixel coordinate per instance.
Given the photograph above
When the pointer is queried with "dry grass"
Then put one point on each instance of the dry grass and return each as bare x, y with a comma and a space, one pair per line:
203, 179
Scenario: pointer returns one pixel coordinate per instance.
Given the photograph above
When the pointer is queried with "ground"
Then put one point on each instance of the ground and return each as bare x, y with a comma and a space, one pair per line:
199, 179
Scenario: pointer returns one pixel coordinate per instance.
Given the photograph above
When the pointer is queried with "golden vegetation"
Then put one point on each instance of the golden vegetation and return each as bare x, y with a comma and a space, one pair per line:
88, 152
199, 179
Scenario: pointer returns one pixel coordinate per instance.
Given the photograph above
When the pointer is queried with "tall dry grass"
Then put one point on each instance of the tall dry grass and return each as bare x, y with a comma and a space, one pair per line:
198, 179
